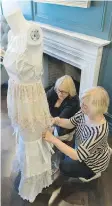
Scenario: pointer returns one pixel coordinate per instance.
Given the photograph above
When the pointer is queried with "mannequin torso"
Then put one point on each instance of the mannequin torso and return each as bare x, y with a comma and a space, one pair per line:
24, 36
23, 58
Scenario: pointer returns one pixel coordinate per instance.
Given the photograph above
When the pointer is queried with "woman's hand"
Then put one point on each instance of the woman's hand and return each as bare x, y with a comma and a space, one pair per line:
62, 122
47, 135
72, 153
56, 120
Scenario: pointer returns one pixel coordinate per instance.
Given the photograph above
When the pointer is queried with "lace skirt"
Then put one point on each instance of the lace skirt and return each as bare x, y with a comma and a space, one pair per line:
27, 105
29, 113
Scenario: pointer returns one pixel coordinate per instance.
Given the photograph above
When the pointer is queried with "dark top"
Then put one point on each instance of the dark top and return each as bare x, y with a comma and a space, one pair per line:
67, 109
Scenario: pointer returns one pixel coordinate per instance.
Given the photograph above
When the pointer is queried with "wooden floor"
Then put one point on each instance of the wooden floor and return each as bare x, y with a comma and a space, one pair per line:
96, 193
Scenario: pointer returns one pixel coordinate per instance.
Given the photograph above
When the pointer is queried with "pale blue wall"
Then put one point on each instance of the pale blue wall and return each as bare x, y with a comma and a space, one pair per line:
26, 8
105, 77
96, 20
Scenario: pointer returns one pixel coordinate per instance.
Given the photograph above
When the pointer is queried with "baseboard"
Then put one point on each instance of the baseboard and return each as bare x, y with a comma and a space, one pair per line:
109, 119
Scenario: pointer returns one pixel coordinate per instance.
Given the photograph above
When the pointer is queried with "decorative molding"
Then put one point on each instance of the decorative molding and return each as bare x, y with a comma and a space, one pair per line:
110, 29
73, 3
103, 15
32, 10
66, 33
82, 51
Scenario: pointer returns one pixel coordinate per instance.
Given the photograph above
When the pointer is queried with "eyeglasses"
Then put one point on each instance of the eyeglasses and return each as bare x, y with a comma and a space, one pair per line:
62, 92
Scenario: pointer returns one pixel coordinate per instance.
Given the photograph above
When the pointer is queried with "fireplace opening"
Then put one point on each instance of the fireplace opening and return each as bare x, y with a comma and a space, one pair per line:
58, 68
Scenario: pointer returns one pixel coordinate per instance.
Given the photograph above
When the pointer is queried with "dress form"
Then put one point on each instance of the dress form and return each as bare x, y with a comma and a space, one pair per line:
27, 103
19, 25
14, 16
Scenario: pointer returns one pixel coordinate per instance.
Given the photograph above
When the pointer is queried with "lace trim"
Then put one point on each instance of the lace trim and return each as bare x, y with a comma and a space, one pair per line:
31, 125
28, 106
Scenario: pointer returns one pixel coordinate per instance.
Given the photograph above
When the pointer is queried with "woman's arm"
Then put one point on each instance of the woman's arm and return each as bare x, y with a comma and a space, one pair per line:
61, 122
67, 112
68, 123
61, 146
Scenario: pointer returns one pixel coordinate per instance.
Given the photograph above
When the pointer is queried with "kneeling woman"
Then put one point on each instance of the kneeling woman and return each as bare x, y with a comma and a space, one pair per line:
63, 101
91, 153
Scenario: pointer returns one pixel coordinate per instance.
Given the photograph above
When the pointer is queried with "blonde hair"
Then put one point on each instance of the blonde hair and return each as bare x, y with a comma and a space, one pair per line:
98, 97
67, 85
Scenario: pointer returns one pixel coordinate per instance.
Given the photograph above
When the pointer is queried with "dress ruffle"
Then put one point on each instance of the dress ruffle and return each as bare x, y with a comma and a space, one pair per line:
29, 188
33, 158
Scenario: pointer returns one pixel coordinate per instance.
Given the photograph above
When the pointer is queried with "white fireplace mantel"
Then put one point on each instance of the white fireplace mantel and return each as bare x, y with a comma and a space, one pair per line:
79, 50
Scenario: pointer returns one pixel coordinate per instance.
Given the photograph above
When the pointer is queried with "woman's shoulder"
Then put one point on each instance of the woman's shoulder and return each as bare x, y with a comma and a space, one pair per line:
74, 100
103, 128
79, 116
51, 91
51, 94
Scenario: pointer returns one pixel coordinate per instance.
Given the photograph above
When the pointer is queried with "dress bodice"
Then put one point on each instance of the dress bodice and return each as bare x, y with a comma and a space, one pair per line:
23, 58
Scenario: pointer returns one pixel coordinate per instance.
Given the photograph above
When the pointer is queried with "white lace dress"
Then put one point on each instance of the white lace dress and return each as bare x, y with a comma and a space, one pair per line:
28, 111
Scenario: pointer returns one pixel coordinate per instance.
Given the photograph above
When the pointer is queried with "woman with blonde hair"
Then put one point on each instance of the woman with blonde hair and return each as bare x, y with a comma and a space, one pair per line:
90, 155
63, 101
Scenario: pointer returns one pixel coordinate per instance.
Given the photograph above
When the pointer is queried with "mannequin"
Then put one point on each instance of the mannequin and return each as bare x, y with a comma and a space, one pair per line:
27, 103
19, 24
16, 27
